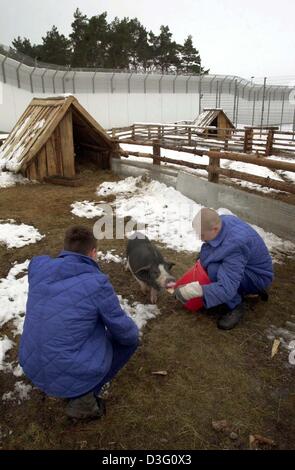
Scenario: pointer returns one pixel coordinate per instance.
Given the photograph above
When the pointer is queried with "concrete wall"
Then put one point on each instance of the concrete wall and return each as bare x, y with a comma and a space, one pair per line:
272, 215
109, 109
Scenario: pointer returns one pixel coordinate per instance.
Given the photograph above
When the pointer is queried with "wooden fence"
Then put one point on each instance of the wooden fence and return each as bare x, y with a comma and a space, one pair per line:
262, 141
214, 168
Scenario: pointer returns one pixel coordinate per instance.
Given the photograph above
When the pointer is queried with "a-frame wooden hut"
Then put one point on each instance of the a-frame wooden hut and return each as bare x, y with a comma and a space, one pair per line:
54, 136
215, 118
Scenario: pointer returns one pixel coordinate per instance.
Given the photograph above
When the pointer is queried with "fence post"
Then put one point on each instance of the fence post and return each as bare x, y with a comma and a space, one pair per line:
282, 111
262, 105
253, 111
213, 177
248, 140
226, 138
269, 142
133, 131
156, 152
189, 136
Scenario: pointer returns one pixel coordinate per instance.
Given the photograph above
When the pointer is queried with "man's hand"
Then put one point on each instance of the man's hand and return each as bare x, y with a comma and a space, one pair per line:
188, 291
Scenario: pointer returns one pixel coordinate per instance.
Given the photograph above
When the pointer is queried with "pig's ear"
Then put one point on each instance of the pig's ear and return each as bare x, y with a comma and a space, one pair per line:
143, 269
170, 265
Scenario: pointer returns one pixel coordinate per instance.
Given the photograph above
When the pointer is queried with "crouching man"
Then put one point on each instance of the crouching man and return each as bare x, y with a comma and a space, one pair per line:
76, 337
237, 262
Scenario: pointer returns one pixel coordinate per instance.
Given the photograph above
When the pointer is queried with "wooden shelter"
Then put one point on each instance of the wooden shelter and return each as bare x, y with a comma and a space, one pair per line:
214, 118
53, 137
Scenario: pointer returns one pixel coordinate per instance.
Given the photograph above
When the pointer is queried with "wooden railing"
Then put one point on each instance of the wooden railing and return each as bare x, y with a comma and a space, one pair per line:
214, 168
262, 141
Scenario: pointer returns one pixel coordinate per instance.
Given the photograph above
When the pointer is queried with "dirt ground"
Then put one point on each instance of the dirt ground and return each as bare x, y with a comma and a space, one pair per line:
211, 374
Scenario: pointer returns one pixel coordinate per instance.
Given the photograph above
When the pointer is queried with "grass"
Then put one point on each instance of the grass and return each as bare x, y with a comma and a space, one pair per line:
211, 374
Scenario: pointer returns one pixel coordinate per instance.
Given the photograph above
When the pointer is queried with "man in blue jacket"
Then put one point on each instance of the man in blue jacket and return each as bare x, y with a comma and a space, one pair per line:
76, 336
237, 262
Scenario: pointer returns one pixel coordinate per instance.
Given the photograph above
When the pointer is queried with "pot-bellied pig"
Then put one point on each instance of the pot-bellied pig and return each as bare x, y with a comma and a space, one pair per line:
148, 266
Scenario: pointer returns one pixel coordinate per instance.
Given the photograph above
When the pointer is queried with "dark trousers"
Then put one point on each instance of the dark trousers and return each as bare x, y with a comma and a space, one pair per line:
121, 355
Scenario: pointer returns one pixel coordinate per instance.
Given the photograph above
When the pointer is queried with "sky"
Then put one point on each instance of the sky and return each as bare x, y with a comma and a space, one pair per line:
234, 37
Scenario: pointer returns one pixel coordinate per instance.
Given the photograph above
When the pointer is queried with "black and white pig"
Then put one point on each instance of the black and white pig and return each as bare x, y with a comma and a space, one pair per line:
148, 266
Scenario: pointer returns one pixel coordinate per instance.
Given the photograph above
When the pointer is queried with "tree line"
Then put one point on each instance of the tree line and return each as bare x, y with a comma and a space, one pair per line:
119, 44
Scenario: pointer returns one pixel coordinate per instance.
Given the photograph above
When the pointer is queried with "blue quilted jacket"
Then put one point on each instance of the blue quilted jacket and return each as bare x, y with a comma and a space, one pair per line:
237, 261
64, 348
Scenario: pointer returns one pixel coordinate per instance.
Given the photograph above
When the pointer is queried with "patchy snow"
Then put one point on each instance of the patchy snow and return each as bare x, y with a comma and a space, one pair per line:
109, 257
140, 313
39, 124
128, 185
204, 160
5, 345
13, 297
18, 371
167, 215
8, 179
87, 209
17, 235
21, 392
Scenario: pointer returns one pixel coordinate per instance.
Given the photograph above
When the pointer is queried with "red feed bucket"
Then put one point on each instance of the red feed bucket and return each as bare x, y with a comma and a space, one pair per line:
197, 273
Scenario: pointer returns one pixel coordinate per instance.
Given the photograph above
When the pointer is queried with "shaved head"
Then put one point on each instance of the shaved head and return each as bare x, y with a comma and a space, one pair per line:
207, 224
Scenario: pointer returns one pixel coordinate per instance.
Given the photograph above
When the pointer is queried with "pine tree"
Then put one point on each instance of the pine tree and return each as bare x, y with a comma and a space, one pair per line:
56, 48
165, 52
78, 41
190, 60
24, 46
96, 41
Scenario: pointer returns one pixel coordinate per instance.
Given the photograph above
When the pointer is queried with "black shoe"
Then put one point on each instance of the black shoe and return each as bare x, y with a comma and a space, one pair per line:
263, 295
232, 318
88, 406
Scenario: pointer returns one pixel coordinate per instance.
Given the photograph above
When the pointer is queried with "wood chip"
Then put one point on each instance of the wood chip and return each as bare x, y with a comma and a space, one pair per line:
160, 372
221, 425
275, 347
256, 439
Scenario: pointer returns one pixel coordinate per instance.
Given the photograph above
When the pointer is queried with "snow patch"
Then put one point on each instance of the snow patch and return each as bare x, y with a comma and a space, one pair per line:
109, 257
167, 215
17, 235
13, 297
87, 209
140, 313
128, 185
8, 179
20, 393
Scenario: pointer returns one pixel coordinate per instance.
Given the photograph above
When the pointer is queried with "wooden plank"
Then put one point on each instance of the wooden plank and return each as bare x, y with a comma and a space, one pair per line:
196, 166
48, 102
267, 182
42, 166
55, 118
58, 153
67, 145
31, 171
51, 157
34, 170
250, 158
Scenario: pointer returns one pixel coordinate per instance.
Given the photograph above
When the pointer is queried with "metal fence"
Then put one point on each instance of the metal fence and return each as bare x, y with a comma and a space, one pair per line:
245, 102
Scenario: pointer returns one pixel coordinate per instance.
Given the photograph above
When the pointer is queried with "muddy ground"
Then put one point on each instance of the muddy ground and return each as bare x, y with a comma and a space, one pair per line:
211, 374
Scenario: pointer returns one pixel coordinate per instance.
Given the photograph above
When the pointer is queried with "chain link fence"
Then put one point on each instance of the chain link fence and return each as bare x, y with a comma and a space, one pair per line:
259, 103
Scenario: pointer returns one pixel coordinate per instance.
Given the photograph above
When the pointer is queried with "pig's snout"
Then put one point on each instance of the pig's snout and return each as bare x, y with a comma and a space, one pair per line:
169, 280
164, 277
